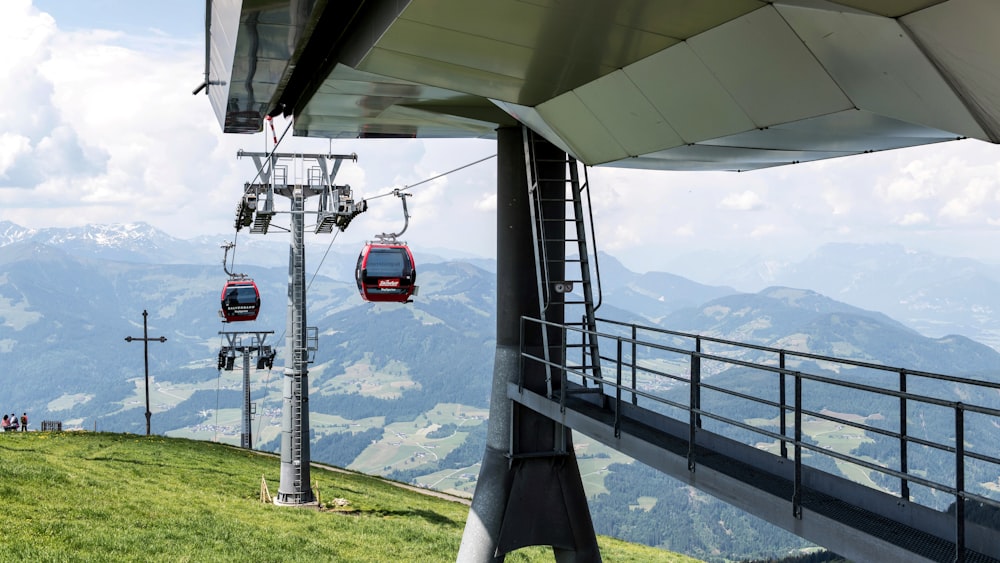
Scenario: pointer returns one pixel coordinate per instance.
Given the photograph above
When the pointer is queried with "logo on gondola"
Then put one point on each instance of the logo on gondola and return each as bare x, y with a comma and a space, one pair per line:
389, 283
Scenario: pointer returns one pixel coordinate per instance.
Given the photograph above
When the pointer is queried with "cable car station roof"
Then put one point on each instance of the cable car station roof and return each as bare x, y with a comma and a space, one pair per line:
654, 84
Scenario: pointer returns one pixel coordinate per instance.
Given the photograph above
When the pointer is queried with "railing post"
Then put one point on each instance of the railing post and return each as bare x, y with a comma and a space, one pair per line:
694, 403
959, 483
618, 392
585, 339
904, 486
697, 388
562, 372
797, 492
635, 398
520, 373
781, 401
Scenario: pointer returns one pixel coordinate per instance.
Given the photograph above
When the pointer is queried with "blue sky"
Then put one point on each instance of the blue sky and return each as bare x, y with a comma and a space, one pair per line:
100, 127
178, 18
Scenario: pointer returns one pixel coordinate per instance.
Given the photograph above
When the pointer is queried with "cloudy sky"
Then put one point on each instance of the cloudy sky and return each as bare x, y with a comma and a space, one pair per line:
99, 126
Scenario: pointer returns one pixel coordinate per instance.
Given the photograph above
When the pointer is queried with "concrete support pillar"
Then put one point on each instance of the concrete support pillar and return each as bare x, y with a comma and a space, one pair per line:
531, 500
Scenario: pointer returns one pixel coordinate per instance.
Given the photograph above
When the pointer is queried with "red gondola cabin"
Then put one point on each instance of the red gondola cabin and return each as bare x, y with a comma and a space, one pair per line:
240, 301
386, 272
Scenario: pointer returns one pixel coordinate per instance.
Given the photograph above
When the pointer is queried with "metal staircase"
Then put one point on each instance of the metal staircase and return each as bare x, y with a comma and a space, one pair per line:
563, 262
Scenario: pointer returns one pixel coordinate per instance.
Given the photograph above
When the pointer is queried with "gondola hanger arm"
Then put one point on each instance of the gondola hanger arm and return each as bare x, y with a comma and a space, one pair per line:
385, 237
225, 262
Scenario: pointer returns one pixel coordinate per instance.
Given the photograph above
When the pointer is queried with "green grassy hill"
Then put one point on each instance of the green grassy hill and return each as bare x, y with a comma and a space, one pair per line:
80, 496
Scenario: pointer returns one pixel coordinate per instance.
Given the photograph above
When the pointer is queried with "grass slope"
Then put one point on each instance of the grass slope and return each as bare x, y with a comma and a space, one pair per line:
80, 496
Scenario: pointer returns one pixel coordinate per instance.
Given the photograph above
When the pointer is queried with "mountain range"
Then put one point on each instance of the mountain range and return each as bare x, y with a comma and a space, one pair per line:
403, 390
934, 294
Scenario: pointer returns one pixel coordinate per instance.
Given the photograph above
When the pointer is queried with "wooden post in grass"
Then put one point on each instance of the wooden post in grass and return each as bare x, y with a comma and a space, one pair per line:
265, 495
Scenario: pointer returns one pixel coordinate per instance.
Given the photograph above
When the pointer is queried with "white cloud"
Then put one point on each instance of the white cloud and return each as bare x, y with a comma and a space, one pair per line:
685, 231
905, 189
840, 201
486, 202
914, 181
621, 237
763, 230
745, 201
12, 146
970, 201
915, 218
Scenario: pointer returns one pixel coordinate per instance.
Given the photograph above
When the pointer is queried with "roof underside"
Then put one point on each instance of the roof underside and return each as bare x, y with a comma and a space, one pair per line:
656, 84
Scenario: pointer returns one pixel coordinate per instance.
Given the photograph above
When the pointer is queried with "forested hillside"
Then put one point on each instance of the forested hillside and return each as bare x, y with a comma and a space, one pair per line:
403, 390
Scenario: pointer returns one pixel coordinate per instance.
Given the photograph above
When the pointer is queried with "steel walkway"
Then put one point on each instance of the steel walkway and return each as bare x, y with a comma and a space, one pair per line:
639, 415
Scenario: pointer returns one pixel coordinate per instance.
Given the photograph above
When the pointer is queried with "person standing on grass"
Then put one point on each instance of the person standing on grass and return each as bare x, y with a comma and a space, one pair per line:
13, 422
24, 422
6, 423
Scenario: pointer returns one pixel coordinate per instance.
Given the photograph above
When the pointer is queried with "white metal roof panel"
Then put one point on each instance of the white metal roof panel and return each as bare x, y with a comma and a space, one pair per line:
768, 71
626, 114
880, 69
688, 95
849, 131
962, 37
706, 157
587, 138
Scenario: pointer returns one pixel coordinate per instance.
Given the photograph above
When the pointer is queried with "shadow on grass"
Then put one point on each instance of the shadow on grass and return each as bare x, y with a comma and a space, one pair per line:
428, 515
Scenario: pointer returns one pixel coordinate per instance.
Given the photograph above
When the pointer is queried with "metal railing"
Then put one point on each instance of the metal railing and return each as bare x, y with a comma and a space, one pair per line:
677, 374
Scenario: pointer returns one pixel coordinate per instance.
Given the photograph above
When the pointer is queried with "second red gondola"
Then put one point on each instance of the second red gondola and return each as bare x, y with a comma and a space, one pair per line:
240, 300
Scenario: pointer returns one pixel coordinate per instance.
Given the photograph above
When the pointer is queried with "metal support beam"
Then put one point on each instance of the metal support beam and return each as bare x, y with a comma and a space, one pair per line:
528, 499
295, 487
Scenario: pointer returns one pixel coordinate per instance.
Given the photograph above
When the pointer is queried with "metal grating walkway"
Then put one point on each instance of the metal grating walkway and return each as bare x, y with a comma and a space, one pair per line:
660, 443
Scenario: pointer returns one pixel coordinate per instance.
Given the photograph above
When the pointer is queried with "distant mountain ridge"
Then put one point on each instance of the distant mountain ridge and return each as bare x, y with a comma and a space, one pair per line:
126, 242
934, 294
55, 278
653, 295
144, 244
384, 374
782, 309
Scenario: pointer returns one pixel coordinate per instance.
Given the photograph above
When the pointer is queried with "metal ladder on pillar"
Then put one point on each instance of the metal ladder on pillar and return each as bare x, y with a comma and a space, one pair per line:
578, 308
299, 354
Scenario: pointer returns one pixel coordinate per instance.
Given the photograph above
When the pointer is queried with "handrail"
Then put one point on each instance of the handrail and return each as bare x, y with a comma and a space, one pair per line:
644, 381
806, 355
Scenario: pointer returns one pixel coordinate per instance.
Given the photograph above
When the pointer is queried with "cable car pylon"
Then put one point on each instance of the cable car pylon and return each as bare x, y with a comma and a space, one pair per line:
288, 175
386, 271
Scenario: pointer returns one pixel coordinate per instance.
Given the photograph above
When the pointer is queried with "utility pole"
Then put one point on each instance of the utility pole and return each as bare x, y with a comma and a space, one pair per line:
145, 354
265, 359
287, 175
